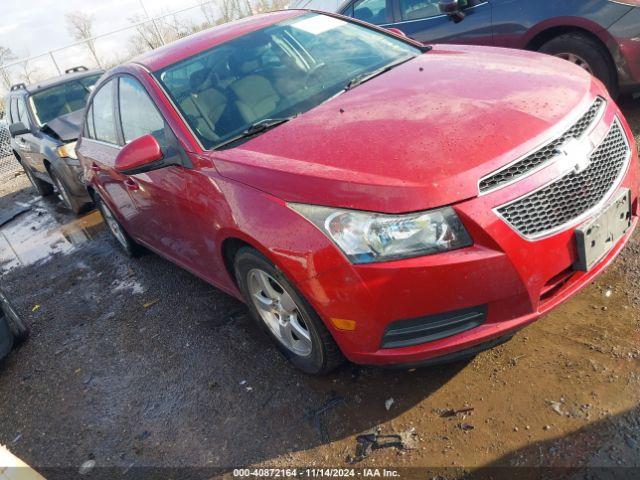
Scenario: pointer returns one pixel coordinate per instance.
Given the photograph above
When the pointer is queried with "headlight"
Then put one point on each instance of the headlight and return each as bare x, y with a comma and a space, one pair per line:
367, 237
68, 150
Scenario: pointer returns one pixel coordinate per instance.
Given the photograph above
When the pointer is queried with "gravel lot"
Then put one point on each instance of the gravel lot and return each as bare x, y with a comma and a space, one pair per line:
136, 363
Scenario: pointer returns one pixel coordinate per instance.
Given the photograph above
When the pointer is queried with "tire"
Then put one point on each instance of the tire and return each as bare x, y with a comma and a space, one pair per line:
65, 196
587, 53
315, 351
124, 240
43, 188
17, 326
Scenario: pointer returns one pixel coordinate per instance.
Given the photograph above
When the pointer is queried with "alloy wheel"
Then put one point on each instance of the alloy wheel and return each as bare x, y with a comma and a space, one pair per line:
279, 312
63, 195
113, 225
577, 60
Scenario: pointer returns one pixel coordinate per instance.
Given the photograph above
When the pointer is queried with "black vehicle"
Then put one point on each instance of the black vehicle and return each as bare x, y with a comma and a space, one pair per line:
12, 329
44, 122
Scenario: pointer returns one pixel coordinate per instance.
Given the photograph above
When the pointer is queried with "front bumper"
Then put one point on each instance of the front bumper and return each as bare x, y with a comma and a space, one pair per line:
515, 279
72, 175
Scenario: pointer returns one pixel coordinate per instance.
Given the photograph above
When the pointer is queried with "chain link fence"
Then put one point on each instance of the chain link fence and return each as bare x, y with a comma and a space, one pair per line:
8, 163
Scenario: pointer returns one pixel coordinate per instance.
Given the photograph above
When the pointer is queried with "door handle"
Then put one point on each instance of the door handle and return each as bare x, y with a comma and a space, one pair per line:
131, 184
95, 168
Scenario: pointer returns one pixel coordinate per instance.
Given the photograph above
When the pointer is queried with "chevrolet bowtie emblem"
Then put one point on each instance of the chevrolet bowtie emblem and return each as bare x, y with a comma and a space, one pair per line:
575, 155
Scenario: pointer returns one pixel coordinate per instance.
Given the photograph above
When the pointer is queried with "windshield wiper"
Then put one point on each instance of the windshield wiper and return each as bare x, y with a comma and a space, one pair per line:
254, 129
365, 77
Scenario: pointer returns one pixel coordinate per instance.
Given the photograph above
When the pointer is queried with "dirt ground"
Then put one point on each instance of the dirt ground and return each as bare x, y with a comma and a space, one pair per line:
136, 363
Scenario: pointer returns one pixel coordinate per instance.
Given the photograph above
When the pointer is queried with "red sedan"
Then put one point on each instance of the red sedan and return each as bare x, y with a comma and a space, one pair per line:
367, 197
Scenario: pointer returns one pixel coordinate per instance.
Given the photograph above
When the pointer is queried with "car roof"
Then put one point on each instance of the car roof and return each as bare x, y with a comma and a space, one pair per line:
52, 82
199, 42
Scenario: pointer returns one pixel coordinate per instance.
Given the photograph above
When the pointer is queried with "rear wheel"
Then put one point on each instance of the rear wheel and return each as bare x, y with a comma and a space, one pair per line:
128, 244
287, 318
587, 53
43, 188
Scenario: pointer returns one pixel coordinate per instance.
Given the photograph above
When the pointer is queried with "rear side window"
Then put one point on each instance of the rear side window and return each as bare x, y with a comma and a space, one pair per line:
104, 126
372, 11
138, 114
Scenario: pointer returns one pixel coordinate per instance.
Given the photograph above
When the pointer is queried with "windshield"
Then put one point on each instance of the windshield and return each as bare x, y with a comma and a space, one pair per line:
275, 73
65, 98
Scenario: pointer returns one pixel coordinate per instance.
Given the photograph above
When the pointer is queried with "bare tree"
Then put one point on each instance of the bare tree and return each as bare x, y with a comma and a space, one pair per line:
147, 36
29, 73
80, 27
6, 56
233, 10
263, 6
208, 12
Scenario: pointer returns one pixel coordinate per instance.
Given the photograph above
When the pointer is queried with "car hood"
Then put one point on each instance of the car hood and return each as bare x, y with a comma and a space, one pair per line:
66, 127
419, 136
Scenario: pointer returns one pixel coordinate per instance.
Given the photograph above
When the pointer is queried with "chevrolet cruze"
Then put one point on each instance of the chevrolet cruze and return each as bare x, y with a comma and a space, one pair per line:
368, 197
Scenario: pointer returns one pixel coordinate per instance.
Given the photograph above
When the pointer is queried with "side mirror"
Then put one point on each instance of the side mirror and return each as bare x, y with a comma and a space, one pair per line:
452, 8
139, 156
397, 31
18, 128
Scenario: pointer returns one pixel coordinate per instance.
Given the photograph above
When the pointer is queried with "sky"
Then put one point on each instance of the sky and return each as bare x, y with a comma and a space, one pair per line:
33, 27
30, 27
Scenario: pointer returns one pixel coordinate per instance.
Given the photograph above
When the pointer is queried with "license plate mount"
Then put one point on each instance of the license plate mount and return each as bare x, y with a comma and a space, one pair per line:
595, 239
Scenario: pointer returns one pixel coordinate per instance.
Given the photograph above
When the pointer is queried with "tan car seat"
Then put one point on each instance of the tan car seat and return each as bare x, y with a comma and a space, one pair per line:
204, 105
256, 97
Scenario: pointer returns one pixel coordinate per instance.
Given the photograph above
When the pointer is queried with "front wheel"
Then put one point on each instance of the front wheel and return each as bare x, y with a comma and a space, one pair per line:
65, 195
43, 188
286, 317
586, 53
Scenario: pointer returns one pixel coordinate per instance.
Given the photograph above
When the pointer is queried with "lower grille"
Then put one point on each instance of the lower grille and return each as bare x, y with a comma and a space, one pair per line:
405, 333
573, 195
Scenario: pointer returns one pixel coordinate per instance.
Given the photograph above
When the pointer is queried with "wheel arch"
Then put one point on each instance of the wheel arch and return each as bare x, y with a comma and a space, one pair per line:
229, 248
550, 32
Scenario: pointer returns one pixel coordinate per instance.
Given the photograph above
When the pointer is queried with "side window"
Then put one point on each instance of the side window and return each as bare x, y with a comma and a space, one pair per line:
138, 114
22, 111
14, 110
104, 126
372, 11
417, 9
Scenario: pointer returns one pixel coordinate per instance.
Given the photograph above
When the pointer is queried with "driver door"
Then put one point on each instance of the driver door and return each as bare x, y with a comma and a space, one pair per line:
170, 202
422, 21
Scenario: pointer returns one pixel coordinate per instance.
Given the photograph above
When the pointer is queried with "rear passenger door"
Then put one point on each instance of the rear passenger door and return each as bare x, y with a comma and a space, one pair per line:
99, 147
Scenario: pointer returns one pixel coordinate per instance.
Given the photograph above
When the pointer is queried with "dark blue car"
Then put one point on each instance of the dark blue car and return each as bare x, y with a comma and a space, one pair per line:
602, 36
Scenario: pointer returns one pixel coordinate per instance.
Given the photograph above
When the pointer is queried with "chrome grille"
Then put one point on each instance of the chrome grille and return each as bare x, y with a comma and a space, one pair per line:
573, 195
526, 165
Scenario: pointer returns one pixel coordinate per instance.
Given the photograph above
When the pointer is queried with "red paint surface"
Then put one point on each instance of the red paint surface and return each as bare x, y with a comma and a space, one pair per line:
418, 137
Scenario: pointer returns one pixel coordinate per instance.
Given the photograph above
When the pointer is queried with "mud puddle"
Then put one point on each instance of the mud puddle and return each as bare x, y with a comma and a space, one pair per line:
36, 235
